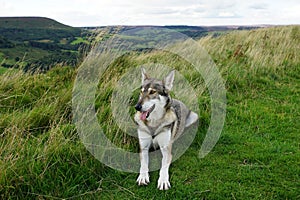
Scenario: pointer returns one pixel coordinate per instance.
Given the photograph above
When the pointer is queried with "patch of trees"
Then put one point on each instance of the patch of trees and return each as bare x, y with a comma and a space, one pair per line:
44, 45
21, 35
195, 34
51, 46
48, 62
5, 43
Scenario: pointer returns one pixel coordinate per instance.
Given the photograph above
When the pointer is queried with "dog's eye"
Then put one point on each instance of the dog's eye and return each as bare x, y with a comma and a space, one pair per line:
152, 91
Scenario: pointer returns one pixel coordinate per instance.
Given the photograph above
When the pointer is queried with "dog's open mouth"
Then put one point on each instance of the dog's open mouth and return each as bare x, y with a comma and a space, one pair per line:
145, 114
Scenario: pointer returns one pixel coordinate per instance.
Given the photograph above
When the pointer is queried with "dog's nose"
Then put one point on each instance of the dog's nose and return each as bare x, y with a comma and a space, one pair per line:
138, 107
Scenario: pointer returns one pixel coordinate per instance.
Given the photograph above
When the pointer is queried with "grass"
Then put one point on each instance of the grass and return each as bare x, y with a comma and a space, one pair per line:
80, 40
257, 156
2, 70
22, 53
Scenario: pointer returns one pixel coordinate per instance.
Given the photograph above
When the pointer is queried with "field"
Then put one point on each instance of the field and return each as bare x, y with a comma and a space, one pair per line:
256, 157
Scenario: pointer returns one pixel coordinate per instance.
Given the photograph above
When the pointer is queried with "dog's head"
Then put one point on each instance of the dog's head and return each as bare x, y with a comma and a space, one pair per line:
155, 96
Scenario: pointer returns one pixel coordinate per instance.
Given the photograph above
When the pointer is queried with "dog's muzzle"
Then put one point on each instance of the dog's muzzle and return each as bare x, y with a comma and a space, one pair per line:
144, 114
138, 107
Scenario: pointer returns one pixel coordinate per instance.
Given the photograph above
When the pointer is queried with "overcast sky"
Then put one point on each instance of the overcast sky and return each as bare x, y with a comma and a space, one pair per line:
157, 12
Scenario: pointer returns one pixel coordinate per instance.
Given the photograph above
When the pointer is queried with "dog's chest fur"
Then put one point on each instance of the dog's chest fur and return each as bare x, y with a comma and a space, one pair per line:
154, 127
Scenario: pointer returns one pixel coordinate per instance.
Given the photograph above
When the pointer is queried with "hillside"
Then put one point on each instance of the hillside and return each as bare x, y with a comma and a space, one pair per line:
35, 28
256, 157
194, 32
32, 23
37, 43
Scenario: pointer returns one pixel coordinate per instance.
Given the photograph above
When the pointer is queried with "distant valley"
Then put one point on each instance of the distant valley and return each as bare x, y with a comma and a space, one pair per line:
38, 43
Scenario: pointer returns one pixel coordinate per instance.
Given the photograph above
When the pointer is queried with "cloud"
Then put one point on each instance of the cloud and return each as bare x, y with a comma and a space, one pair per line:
222, 5
80, 18
164, 3
227, 15
160, 11
223, 14
5, 7
259, 6
156, 12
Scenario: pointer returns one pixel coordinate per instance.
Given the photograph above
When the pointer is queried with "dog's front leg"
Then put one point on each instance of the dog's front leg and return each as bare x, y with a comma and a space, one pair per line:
164, 142
145, 141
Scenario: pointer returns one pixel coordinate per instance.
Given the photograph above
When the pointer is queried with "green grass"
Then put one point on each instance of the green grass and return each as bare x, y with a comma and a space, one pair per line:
80, 40
257, 156
2, 70
28, 54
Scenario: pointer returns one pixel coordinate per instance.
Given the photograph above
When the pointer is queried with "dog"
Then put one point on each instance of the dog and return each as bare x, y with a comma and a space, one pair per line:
161, 120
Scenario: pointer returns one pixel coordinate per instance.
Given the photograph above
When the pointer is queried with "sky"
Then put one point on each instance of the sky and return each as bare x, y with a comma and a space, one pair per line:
81, 13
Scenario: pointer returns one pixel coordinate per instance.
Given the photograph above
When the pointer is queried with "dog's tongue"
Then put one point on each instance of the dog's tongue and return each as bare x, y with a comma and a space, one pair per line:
144, 115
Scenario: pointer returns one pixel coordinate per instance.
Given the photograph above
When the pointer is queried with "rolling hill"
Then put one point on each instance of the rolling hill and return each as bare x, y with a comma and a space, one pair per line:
32, 23
37, 43
35, 28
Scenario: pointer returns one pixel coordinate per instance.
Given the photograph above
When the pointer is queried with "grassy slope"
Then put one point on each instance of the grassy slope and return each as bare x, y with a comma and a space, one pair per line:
257, 156
34, 28
31, 23
49, 33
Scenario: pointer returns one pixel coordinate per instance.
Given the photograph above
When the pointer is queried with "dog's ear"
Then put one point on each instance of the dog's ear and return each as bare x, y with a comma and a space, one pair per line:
144, 75
168, 81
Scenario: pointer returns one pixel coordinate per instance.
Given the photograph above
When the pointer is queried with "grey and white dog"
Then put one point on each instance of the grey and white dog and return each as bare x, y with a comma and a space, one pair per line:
161, 120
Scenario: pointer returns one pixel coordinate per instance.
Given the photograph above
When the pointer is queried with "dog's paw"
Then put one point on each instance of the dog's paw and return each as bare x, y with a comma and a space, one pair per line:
143, 179
163, 183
